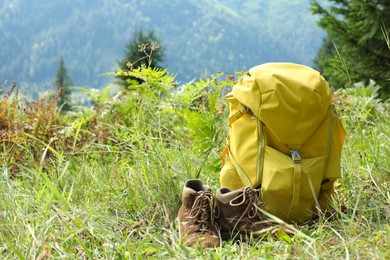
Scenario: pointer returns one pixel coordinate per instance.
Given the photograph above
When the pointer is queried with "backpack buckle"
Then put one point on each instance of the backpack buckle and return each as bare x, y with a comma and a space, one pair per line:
295, 156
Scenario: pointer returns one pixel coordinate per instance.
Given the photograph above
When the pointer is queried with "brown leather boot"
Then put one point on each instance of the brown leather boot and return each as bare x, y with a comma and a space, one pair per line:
236, 213
196, 216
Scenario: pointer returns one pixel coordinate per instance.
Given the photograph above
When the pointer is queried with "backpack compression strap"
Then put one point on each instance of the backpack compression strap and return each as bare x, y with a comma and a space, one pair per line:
241, 111
296, 158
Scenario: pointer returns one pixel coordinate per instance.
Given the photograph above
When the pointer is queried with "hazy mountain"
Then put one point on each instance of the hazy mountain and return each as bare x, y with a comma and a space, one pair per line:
200, 36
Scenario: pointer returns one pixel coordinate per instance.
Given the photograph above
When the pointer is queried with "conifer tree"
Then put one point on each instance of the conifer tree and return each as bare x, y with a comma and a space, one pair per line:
63, 83
356, 48
143, 50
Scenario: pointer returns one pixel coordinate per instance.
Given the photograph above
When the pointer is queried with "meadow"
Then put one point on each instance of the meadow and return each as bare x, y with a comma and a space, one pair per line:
105, 181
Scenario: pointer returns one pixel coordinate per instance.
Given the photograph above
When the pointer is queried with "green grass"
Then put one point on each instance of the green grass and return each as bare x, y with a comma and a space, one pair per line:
117, 196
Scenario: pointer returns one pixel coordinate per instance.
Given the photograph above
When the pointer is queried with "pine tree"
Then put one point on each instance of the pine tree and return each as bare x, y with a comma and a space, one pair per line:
63, 83
356, 48
142, 50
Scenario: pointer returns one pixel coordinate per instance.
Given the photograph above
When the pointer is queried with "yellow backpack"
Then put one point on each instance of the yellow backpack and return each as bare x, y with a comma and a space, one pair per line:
284, 137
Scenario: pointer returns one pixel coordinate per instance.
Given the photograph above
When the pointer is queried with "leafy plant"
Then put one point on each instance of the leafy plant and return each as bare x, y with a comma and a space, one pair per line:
142, 51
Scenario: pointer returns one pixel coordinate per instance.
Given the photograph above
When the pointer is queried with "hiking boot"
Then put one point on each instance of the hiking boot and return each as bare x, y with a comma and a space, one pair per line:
196, 216
237, 213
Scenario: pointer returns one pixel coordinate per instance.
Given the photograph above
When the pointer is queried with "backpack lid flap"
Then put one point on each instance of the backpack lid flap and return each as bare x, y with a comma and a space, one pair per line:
290, 99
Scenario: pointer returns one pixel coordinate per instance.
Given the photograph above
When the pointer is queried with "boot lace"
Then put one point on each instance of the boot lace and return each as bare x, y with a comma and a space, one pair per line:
201, 211
248, 197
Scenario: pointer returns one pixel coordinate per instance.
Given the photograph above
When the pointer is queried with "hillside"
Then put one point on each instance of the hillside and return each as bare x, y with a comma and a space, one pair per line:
107, 183
200, 37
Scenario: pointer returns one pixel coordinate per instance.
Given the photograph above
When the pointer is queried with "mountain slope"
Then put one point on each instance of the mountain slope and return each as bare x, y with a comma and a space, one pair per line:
200, 37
